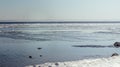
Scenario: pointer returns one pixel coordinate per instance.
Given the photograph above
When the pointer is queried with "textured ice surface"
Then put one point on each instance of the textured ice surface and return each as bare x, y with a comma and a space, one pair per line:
101, 62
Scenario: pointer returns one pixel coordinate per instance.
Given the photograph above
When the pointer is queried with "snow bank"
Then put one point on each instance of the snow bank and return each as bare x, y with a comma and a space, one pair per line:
102, 62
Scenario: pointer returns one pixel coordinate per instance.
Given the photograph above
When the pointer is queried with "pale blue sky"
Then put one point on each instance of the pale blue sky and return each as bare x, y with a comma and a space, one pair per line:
60, 10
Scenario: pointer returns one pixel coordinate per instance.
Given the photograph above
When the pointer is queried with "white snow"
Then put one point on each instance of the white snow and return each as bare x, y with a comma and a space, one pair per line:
101, 62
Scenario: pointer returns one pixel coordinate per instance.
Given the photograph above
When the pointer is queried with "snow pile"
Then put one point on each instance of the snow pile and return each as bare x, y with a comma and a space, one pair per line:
102, 62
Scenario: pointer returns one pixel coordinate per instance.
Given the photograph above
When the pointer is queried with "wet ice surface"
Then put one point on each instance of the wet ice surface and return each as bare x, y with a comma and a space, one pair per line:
18, 42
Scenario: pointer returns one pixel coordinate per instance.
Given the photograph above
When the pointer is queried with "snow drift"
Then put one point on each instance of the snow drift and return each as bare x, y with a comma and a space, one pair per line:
101, 62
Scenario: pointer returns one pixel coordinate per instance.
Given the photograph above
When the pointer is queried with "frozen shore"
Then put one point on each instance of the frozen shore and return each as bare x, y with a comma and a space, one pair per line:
101, 62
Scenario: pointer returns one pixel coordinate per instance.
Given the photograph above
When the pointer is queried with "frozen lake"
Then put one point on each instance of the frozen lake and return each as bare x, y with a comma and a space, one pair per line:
19, 41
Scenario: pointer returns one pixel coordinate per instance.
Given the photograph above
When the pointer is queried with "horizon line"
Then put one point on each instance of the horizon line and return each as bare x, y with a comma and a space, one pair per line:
54, 22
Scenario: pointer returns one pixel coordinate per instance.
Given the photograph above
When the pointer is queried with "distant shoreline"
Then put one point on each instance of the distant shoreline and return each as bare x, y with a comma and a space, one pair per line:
58, 22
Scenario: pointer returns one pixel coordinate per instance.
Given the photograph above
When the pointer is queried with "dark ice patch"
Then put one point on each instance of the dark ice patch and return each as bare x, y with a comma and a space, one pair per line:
93, 46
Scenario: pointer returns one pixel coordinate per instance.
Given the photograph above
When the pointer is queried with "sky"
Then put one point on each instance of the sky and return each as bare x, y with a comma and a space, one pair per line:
60, 10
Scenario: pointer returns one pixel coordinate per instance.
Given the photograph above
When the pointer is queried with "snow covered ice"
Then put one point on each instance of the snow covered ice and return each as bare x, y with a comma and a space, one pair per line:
101, 62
